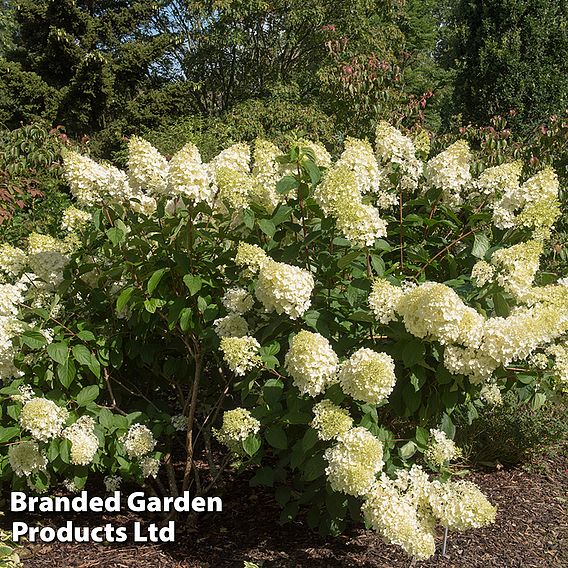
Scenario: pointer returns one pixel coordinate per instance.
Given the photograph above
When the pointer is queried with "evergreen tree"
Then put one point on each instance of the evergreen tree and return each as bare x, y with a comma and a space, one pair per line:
508, 55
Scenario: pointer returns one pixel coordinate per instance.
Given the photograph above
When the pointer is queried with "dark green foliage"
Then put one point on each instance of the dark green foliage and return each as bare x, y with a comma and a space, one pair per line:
509, 56
513, 433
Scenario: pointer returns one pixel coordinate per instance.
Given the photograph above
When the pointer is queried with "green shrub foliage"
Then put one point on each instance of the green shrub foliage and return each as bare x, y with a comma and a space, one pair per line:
323, 320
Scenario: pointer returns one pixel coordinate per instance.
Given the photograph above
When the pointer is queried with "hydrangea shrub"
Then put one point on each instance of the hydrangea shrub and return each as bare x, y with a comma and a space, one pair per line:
321, 318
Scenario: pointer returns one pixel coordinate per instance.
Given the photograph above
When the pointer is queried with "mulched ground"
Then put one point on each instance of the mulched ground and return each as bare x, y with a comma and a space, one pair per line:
531, 532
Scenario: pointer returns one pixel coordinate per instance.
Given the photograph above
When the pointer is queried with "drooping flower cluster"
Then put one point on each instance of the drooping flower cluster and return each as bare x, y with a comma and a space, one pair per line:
47, 258
449, 171
26, 458
354, 462
405, 510
330, 420
230, 171
396, 510
498, 180
43, 418
240, 353
435, 310
460, 505
311, 362
238, 424
284, 288
441, 449
112, 483
368, 376
84, 442
138, 441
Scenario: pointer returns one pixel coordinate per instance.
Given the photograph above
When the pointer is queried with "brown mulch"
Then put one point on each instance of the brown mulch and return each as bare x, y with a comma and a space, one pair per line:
531, 532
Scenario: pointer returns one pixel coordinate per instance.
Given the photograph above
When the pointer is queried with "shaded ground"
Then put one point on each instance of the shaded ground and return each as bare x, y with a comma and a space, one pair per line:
531, 532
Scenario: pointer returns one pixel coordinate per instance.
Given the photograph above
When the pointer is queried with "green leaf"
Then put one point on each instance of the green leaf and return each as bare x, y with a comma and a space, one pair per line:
193, 283
64, 450
501, 305
408, 450
106, 418
66, 373
538, 401
153, 304
59, 352
481, 245
422, 436
264, 476
276, 437
251, 445
348, 258
286, 184
310, 439
86, 335
267, 227
7, 434
155, 279
115, 235
33, 339
87, 395
248, 218
314, 468
448, 426
272, 390
123, 298
312, 170
81, 354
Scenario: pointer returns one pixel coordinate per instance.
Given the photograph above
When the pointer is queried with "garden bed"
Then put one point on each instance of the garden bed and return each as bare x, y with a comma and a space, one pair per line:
531, 532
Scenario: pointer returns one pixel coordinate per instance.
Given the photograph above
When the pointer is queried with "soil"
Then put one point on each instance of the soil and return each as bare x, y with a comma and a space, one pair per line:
531, 531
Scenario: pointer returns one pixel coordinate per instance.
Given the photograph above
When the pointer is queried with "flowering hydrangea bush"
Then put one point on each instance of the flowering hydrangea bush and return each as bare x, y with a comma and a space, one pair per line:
320, 318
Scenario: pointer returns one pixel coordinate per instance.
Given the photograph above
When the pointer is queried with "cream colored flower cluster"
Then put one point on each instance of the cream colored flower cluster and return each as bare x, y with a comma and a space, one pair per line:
240, 353
482, 273
147, 168
340, 195
84, 442
384, 299
354, 462
471, 362
498, 180
26, 458
266, 173
518, 266
405, 510
73, 219
43, 418
188, 176
490, 393
395, 149
330, 420
232, 325
138, 441
368, 376
449, 171
441, 449
12, 260
237, 300
538, 199
238, 424
311, 362
10, 328
460, 505
252, 257
395, 511
435, 310
149, 466
47, 257
284, 288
